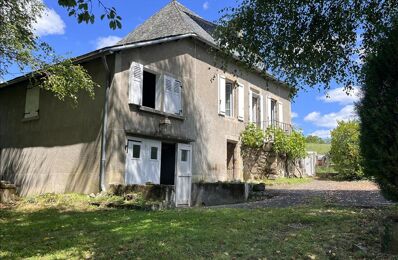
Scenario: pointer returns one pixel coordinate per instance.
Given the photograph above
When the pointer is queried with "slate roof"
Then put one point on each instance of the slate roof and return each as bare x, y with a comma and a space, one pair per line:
173, 19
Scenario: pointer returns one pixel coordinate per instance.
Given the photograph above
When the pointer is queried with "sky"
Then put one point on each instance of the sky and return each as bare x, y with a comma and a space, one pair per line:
313, 112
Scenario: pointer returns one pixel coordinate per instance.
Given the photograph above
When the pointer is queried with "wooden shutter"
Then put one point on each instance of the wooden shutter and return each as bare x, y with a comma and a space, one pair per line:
32, 102
221, 95
177, 89
241, 102
135, 83
269, 101
168, 104
262, 112
250, 106
280, 112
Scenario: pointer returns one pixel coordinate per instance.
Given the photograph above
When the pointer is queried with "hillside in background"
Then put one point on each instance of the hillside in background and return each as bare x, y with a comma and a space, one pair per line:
318, 148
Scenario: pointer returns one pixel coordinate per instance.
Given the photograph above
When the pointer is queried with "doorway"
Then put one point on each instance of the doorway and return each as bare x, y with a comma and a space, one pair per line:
167, 168
231, 160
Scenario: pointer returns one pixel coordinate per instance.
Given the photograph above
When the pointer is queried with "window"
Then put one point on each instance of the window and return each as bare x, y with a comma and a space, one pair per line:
32, 102
149, 90
273, 112
256, 108
184, 155
154, 153
225, 97
156, 91
229, 99
136, 151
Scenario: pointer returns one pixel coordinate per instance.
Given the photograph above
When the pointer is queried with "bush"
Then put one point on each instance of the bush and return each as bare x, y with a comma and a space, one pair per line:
378, 111
252, 136
345, 152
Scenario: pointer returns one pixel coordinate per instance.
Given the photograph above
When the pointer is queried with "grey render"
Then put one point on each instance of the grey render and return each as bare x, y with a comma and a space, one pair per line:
60, 151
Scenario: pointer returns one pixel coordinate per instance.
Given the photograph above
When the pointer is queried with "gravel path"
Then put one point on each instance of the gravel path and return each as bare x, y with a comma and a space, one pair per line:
355, 194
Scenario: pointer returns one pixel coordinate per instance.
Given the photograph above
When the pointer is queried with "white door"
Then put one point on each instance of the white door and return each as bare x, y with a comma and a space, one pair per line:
143, 161
184, 175
134, 163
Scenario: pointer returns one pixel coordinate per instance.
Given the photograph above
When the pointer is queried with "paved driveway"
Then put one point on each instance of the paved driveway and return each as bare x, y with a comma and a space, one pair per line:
357, 194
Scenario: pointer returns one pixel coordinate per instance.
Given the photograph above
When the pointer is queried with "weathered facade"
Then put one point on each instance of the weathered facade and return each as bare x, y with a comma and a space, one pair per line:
169, 98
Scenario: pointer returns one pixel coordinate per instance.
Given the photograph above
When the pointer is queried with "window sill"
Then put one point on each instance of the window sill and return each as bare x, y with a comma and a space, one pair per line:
157, 112
31, 118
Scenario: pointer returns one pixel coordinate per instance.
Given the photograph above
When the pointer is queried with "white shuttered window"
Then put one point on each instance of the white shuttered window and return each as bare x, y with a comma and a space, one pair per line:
135, 83
172, 95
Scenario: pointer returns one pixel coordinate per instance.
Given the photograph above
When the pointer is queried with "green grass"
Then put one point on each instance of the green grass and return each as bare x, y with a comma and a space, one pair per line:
319, 148
286, 181
38, 230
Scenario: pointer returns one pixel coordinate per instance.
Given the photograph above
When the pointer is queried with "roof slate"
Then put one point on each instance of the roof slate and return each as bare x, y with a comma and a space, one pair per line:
173, 19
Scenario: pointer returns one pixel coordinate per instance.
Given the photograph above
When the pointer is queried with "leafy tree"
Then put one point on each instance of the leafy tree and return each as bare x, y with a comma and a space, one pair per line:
345, 152
20, 46
306, 43
314, 139
378, 111
290, 146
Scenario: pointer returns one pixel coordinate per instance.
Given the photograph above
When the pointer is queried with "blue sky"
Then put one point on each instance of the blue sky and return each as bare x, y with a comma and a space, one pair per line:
314, 113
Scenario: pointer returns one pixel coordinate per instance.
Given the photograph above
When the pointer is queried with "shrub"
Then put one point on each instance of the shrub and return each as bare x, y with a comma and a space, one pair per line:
378, 111
345, 152
252, 136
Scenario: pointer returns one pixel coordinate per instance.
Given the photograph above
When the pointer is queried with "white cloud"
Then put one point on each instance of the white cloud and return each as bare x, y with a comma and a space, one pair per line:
106, 41
330, 120
338, 95
49, 23
294, 115
205, 5
321, 133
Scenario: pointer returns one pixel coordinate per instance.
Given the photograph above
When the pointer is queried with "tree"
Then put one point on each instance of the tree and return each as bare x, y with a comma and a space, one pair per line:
378, 111
345, 152
306, 43
20, 46
314, 139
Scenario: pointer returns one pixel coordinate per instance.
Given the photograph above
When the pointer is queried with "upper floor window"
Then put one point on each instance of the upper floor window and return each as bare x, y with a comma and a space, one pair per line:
159, 92
229, 100
32, 102
226, 98
256, 108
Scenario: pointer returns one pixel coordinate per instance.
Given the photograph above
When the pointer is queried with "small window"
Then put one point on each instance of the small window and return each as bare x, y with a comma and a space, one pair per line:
229, 99
154, 153
184, 155
273, 112
136, 151
32, 102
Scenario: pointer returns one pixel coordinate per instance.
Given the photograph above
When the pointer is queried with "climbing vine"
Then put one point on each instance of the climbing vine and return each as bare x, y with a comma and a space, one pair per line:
289, 146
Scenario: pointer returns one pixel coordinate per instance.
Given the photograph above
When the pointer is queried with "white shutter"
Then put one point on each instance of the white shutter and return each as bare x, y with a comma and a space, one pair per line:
159, 94
177, 97
241, 102
250, 106
261, 112
280, 112
135, 83
32, 102
168, 104
221, 95
269, 111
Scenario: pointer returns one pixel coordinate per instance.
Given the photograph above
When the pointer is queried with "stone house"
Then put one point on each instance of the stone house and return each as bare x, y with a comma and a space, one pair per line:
166, 113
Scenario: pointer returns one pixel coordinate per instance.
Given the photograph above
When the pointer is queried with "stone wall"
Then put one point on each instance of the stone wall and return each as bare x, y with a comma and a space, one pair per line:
261, 163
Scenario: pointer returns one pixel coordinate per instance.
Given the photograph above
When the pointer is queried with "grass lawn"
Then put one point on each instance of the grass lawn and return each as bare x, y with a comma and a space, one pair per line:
69, 228
286, 181
319, 148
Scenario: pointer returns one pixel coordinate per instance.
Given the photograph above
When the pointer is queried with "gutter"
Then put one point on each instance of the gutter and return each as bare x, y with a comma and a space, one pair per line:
104, 125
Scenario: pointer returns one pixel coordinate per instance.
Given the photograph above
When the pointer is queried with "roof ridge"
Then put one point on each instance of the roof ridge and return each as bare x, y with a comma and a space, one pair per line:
176, 3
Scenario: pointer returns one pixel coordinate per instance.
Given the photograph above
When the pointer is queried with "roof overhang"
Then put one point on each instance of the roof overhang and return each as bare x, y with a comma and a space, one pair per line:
120, 47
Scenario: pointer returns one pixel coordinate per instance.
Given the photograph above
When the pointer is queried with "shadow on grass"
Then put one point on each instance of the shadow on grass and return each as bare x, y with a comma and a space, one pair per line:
199, 233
